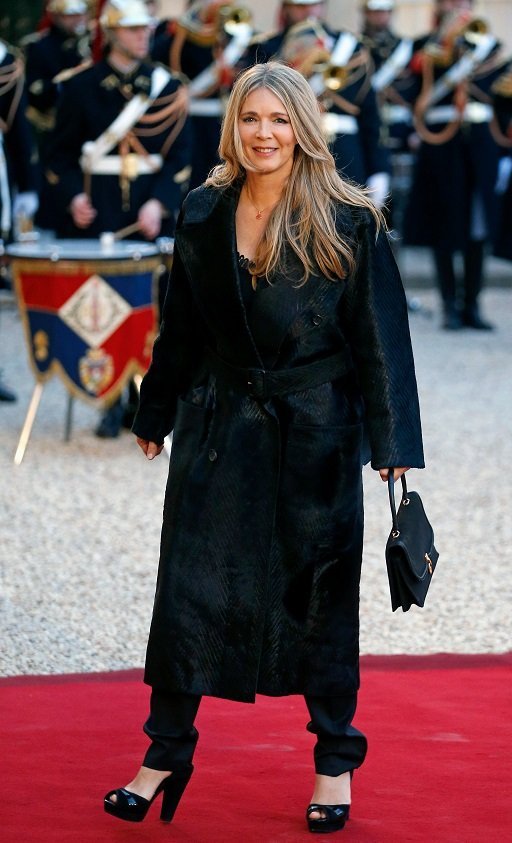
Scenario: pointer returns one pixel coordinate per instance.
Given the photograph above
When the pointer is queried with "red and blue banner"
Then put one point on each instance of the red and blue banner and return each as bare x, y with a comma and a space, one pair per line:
92, 322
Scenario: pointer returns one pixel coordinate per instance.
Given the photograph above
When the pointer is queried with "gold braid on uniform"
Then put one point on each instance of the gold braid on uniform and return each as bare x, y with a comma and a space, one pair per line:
171, 114
422, 105
11, 76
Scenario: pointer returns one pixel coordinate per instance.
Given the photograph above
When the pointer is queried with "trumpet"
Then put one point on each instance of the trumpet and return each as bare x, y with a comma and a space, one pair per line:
458, 33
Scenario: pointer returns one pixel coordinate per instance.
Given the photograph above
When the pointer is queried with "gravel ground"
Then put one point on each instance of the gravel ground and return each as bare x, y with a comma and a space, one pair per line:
80, 521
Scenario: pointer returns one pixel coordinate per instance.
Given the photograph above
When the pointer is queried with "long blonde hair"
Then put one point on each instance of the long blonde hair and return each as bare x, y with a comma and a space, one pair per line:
305, 218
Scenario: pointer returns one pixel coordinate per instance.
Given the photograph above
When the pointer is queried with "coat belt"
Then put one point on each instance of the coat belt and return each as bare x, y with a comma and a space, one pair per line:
263, 384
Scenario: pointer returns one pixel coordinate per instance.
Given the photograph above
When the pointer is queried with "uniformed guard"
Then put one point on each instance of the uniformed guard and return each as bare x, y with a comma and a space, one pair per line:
119, 155
205, 44
18, 198
501, 127
339, 69
394, 80
62, 46
120, 152
452, 203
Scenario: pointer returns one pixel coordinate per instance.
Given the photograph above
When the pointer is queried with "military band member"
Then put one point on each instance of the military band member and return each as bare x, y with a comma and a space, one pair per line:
339, 68
17, 177
394, 80
65, 44
501, 127
452, 202
205, 45
120, 152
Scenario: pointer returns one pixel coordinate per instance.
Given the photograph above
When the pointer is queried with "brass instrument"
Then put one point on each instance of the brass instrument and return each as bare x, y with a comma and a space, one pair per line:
232, 18
458, 33
208, 21
307, 48
336, 77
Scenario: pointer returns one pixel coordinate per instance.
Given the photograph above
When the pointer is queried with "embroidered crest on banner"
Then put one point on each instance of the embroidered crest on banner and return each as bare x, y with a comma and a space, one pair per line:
96, 370
95, 311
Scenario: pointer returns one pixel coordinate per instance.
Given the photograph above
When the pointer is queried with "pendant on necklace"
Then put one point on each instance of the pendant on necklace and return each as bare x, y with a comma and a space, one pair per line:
258, 215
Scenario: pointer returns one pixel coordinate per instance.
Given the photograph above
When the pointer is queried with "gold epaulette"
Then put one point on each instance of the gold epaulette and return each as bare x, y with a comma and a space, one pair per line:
70, 72
32, 38
261, 37
503, 84
42, 122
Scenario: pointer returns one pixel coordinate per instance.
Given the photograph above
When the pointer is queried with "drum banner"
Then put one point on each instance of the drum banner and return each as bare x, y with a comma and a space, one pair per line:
91, 322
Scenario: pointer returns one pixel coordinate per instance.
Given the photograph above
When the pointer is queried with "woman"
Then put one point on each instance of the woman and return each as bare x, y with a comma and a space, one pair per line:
266, 366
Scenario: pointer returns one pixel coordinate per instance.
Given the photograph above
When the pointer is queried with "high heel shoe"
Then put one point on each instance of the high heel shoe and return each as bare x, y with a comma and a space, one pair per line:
335, 817
133, 808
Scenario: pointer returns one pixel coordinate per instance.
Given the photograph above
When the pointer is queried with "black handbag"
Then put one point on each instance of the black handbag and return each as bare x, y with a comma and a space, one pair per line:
411, 556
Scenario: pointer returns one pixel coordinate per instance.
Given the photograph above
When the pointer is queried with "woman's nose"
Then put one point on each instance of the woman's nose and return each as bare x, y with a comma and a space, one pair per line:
264, 129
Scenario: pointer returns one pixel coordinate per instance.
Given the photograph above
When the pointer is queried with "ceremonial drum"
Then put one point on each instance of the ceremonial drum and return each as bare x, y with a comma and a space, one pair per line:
89, 312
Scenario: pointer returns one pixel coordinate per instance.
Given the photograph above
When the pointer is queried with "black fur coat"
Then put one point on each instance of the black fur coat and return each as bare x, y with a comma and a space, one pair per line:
258, 584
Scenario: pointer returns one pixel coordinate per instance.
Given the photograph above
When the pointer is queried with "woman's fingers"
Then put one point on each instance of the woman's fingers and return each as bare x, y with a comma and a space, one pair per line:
151, 449
384, 473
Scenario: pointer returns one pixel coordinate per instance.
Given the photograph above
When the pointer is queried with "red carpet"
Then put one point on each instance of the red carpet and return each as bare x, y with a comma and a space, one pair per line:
439, 767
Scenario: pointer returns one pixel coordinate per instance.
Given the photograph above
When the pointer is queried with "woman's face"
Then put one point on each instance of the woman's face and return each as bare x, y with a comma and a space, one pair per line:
267, 137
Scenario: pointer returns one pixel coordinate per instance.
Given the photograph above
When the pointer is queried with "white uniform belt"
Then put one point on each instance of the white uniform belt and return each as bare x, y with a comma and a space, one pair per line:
206, 108
392, 113
113, 165
474, 112
339, 124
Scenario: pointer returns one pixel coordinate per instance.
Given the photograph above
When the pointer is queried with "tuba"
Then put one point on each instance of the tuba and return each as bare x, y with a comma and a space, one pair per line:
457, 34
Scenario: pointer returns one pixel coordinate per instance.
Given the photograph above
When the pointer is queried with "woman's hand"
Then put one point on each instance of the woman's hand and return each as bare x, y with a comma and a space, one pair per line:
384, 473
151, 449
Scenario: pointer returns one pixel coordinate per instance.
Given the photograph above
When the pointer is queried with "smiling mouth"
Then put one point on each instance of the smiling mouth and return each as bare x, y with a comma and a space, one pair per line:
265, 148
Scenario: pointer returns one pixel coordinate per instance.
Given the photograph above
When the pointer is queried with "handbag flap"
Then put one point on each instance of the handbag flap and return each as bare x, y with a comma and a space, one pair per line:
416, 536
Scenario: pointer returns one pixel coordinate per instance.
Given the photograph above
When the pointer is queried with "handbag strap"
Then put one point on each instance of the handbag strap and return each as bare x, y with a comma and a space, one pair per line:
391, 490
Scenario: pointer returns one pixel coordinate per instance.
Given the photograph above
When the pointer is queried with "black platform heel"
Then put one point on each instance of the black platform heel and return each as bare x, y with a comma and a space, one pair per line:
335, 817
133, 808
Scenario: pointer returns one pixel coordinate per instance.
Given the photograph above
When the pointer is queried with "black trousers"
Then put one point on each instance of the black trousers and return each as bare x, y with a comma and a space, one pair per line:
466, 293
170, 726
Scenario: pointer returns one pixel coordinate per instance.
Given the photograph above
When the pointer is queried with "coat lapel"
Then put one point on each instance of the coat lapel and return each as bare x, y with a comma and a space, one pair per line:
207, 243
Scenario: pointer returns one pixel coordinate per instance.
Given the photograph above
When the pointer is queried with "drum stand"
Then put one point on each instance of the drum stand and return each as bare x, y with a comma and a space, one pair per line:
28, 424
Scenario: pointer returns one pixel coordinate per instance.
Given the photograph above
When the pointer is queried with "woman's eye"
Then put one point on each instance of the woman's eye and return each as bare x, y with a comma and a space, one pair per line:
281, 120
247, 119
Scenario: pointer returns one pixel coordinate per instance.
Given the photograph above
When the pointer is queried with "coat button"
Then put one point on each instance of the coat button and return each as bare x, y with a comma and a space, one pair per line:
212, 454
317, 319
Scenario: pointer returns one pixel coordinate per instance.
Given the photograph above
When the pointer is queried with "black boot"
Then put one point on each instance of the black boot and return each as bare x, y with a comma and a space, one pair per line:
111, 421
6, 394
448, 287
473, 274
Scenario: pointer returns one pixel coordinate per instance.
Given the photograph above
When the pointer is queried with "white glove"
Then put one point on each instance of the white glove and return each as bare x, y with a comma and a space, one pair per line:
25, 204
504, 173
378, 185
